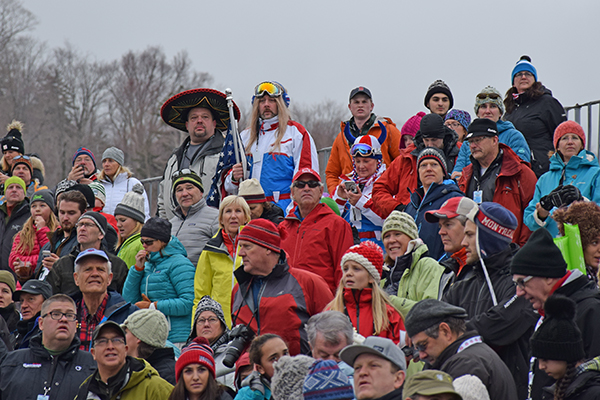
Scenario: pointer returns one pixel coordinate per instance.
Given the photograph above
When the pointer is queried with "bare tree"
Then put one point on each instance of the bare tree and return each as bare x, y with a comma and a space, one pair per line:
14, 19
322, 120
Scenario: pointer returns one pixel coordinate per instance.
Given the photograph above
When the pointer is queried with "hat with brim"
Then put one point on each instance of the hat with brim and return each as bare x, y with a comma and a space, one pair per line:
175, 110
451, 208
109, 325
381, 347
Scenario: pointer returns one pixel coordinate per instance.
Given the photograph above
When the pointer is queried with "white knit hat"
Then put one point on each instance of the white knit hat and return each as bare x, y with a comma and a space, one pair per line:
470, 387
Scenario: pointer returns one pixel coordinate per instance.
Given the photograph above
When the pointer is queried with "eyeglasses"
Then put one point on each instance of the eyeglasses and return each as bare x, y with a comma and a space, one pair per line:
477, 139
270, 88
422, 346
104, 341
211, 320
362, 150
311, 184
483, 96
452, 124
57, 315
522, 281
148, 242
185, 171
85, 224
523, 74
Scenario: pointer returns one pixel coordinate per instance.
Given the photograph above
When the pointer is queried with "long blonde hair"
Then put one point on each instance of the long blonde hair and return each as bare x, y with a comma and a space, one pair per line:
379, 302
27, 234
103, 177
284, 117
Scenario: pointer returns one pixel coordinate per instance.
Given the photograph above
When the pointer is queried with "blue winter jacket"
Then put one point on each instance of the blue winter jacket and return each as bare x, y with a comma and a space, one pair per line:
168, 280
581, 171
432, 200
508, 135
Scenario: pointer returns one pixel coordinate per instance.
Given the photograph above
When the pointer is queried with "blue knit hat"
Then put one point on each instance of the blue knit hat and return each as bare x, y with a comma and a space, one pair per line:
524, 64
463, 117
86, 152
325, 381
495, 228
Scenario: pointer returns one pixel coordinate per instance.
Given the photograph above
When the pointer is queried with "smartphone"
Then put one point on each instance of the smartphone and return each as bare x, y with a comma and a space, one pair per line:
351, 186
46, 253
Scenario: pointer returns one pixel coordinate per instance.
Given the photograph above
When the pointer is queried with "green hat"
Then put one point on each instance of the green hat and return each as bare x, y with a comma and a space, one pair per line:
8, 278
429, 383
401, 222
15, 179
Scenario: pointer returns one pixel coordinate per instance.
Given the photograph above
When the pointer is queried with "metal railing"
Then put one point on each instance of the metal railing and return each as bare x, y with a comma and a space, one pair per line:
592, 126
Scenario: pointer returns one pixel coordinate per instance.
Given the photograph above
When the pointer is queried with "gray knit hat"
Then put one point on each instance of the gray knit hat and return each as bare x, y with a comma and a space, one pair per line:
429, 312
288, 379
150, 326
99, 191
206, 303
45, 196
491, 95
115, 154
133, 204
402, 222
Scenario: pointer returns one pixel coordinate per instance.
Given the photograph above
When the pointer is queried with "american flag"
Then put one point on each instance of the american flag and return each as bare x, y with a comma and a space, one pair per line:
226, 161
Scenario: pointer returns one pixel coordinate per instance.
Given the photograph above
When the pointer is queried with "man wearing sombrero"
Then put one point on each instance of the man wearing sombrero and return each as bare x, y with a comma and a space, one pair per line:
204, 115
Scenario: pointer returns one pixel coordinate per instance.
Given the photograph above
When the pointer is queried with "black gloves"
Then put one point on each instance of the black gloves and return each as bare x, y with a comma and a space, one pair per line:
561, 196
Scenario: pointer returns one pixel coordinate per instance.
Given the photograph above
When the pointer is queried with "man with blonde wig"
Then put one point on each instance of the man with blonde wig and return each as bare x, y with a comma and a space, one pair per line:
284, 147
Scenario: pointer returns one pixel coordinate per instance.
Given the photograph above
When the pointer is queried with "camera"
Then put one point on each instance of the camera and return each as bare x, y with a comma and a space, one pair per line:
240, 336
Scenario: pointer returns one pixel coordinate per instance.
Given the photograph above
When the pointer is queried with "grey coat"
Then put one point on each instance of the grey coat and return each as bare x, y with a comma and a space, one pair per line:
195, 229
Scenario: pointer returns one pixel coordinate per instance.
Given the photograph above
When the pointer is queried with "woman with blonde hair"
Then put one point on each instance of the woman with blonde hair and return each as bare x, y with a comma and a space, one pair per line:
28, 243
277, 147
130, 217
360, 297
214, 273
117, 180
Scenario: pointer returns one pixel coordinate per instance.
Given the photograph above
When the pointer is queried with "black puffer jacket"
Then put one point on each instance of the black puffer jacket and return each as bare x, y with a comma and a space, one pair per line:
536, 119
585, 386
506, 327
24, 373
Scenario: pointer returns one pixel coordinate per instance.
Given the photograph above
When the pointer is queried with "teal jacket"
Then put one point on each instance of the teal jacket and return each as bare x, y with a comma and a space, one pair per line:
581, 171
168, 280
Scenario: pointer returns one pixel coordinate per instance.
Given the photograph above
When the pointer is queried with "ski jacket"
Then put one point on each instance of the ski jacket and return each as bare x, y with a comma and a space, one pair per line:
196, 228
116, 189
129, 248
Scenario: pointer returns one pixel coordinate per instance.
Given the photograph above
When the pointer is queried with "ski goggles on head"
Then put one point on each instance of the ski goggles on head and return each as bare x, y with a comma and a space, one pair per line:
270, 88
182, 172
483, 96
362, 150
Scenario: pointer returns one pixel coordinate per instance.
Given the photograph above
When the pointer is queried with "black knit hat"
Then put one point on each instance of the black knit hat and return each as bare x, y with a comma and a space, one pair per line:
438, 86
157, 228
539, 257
432, 126
98, 219
86, 191
559, 337
13, 139
429, 312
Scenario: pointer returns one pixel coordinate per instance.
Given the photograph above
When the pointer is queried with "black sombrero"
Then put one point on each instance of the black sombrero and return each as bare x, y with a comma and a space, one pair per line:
174, 111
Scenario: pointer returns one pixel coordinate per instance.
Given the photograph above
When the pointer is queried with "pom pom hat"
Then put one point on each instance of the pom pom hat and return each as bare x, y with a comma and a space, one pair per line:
369, 255
197, 352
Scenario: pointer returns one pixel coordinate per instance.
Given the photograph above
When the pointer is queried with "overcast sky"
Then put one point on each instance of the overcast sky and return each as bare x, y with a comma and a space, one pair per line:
322, 49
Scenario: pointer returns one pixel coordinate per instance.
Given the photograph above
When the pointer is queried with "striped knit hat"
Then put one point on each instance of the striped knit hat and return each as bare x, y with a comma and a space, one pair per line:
197, 352
86, 152
401, 222
524, 64
252, 192
99, 191
435, 154
262, 232
369, 255
325, 381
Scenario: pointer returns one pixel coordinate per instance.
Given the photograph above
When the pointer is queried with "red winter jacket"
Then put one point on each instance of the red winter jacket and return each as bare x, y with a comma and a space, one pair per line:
515, 186
41, 238
317, 243
362, 316
395, 185
287, 298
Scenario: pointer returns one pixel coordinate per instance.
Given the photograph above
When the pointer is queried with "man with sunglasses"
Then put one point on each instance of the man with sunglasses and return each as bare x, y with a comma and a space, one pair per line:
363, 122
440, 333
539, 271
204, 116
91, 229
276, 146
120, 376
317, 237
497, 174
52, 367
488, 104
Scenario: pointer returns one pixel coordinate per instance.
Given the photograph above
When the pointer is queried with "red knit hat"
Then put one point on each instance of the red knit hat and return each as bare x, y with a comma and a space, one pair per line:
197, 352
568, 127
262, 232
369, 255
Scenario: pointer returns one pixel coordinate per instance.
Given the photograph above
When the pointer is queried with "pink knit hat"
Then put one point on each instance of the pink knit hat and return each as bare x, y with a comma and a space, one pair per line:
568, 127
412, 125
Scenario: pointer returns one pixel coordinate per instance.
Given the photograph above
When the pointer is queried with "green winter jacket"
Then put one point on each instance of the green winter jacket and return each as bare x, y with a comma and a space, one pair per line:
129, 248
421, 280
143, 384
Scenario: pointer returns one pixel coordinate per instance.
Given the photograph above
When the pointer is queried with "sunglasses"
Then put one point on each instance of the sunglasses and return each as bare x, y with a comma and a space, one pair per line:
483, 96
362, 150
21, 158
148, 242
270, 88
522, 281
185, 171
302, 184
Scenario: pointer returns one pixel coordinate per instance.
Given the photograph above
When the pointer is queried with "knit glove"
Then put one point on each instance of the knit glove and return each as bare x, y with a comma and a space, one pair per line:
561, 196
